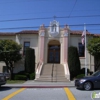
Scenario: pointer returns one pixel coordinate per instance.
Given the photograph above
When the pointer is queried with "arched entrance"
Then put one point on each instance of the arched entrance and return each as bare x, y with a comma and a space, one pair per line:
54, 51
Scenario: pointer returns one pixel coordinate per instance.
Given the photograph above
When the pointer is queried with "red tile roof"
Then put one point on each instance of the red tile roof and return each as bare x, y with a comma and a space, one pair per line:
97, 35
21, 32
28, 32
7, 33
79, 32
72, 32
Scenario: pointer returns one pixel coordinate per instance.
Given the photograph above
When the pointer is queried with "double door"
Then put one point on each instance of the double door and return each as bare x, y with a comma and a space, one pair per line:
54, 54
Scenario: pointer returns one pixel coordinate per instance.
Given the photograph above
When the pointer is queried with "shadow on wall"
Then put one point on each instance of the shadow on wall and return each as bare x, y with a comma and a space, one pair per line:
2, 67
19, 66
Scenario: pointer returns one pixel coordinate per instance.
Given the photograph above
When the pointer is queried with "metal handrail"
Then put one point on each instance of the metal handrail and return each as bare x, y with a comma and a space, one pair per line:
56, 72
52, 71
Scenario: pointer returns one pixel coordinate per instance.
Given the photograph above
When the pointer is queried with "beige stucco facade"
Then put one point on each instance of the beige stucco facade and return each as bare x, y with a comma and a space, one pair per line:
74, 40
42, 39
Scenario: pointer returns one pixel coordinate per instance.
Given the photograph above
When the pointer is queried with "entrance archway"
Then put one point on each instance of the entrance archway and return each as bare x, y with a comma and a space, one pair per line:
54, 51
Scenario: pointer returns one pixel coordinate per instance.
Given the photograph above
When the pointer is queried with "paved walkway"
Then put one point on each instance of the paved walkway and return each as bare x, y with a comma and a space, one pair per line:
34, 84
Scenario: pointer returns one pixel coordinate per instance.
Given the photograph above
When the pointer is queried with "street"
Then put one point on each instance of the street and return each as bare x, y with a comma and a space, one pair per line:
45, 94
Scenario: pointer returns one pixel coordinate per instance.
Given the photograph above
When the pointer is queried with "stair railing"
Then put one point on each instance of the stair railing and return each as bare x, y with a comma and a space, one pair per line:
56, 72
52, 72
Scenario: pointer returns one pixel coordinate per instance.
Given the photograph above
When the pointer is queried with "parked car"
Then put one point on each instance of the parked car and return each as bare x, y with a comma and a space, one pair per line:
2, 79
89, 82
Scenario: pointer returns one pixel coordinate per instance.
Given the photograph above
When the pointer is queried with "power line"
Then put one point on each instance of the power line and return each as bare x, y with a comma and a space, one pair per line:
31, 27
73, 8
44, 18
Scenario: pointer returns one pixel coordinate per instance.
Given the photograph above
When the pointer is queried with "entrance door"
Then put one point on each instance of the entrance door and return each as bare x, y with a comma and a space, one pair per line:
54, 54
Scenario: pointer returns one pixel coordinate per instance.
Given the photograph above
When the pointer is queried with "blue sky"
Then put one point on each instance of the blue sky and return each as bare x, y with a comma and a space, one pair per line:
27, 9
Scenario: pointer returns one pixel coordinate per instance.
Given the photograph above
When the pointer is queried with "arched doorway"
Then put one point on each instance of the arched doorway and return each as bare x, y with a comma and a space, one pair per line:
54, 51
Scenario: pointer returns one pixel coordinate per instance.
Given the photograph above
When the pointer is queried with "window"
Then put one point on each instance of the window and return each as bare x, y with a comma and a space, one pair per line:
26, 45
81, 48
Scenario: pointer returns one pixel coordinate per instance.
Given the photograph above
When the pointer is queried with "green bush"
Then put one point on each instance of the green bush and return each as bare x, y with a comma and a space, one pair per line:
29, 60
80, 76
73, 62
82, 71
24, 73
27, 76
20, 77
32, 76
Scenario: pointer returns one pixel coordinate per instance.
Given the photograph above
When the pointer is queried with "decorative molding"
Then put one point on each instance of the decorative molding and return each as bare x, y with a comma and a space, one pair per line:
53, 34
66, 27
65, 34
42, 27
42, 30
54, 28
42, 34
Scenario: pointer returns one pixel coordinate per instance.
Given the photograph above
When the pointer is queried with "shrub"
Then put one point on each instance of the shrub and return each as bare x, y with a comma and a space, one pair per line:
20, 77
24, 73
29, 60
27, 75
73, 62
80, 76
82, 71
32, 76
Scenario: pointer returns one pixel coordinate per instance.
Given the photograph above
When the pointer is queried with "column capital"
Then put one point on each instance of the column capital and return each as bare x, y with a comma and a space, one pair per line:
42, 33
42, 30
66, 29
65, 34
42, 27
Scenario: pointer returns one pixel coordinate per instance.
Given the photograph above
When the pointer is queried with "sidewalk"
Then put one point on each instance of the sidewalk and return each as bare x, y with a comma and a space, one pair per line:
34, 84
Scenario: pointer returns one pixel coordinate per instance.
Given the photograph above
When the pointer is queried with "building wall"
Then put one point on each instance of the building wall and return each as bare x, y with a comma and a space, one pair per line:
34, 40
74, 40
8, 37
1, 66
20, 39
48, 38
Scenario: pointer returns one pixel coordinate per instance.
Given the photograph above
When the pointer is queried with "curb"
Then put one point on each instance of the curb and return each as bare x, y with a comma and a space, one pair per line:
27, 86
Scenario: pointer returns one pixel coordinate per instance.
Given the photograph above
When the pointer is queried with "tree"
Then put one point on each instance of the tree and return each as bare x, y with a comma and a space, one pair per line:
73, 61
30, 60
93, 47
9, 53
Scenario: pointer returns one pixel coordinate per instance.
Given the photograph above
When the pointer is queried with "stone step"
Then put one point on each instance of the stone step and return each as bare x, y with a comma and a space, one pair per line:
58, 73
54, 80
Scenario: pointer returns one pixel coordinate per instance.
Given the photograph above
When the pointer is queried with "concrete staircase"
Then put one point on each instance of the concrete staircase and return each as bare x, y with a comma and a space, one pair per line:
52, 73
